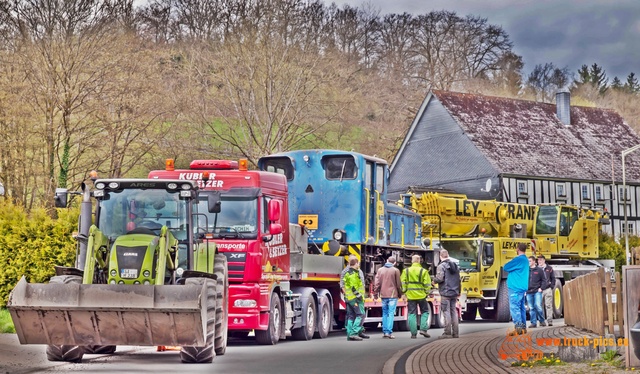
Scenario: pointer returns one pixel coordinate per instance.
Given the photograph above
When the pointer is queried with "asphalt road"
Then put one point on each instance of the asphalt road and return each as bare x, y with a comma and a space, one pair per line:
328, 356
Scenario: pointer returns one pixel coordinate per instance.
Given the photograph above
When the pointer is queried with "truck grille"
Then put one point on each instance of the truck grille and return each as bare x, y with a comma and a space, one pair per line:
236, 263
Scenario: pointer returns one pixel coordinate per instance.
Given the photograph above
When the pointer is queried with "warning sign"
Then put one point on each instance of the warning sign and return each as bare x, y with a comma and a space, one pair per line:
309, 220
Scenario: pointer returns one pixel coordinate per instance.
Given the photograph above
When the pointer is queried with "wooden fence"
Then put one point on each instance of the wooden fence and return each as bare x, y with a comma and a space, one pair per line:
594, 302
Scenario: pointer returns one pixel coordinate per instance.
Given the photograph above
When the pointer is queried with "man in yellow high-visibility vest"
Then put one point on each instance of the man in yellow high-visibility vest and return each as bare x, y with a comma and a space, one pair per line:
416, 285
354, 297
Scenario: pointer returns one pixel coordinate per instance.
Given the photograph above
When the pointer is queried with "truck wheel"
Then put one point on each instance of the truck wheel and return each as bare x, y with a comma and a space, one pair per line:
487, 314
204, 354
271, 335
324, 318
503, 313
69, 353
470, 314
430, 320
439, 320
222, 307
558, 300
306, 332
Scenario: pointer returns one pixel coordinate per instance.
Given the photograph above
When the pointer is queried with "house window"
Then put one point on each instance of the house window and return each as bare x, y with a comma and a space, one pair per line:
599, 193
561, 190
522, 188
623, 194
585, 192
629, 226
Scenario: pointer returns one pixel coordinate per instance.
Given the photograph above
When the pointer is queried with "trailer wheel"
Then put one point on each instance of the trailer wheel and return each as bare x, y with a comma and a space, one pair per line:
204, 354
487, 314
222, 304
306, 332
558, 300
503, 313
324, 318
439, 320
69, 353
470, 314
271, 335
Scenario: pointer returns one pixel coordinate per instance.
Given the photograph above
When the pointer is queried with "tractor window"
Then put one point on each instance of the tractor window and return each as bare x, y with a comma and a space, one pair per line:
340, 167
546, 222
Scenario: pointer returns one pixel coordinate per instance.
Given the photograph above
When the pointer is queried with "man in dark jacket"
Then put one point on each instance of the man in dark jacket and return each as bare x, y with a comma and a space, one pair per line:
548, 283
389, 287
534, 294
448, 280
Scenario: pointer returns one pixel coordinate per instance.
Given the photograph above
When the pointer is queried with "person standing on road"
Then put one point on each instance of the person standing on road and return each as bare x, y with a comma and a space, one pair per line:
416, 285
344, 272
354, 297
534, 294
389, 287
448, 280
548, 283
517, 284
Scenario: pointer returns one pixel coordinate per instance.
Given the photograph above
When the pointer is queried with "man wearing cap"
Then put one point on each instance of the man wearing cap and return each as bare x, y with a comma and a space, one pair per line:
548, 282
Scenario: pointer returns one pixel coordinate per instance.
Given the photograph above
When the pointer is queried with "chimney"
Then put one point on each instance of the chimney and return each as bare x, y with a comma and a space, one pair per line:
563, 107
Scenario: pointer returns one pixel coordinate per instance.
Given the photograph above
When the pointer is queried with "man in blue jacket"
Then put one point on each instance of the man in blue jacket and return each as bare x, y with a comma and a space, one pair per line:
518, 283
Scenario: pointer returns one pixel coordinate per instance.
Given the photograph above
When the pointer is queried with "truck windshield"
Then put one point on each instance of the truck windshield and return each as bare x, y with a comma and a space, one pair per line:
238, 218
122, 211
465, 252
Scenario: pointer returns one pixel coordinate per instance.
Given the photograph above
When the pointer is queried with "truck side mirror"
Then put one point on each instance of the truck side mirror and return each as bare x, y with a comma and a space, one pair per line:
274, 210
60, 198
487, 254
213, 202
275, 228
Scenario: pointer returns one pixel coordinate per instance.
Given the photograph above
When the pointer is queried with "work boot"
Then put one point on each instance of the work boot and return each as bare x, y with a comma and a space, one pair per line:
385, 336
543, 324
550, 323
390, 336
455, 336
445, 336
363, 335
533, 326
424, 333
414, 337
355, 338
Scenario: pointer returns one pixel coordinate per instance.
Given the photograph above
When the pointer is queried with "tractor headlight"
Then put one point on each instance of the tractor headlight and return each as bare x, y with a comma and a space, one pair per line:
113, 185
100, 185
113, 272
339, 235
146, 273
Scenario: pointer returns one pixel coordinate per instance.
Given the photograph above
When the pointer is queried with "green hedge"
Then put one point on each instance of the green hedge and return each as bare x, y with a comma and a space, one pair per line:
32, 244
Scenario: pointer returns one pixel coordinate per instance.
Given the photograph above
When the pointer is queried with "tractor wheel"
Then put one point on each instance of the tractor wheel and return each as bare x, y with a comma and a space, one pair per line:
271, 335
324, 318
100, 349
69, 353
503, 312
306, 332
222, 306
470, 314
203, 354
557, 300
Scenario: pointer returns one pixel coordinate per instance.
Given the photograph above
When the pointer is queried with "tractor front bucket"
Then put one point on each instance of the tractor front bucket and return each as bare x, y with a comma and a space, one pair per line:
101, 314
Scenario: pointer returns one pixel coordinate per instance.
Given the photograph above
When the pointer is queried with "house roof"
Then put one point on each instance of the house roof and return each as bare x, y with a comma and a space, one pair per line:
526, 138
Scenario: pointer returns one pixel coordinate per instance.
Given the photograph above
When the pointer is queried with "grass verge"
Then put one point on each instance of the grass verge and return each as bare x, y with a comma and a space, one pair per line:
6, 324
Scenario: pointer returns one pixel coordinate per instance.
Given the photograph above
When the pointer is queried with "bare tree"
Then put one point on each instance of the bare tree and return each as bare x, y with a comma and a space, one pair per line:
545, 80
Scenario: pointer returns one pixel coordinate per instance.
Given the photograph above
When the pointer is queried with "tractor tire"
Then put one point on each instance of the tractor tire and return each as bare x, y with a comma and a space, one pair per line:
271, 335
558, 300
100, 349
503, 312
471, 313
68, 353
324, 318
207, 353
222, 304
306, 332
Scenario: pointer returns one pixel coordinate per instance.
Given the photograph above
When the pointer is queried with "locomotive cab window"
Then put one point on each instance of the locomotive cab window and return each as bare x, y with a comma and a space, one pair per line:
340, 167
280, 165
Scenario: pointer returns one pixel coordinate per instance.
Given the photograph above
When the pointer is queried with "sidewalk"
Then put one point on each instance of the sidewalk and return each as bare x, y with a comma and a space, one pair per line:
483, 352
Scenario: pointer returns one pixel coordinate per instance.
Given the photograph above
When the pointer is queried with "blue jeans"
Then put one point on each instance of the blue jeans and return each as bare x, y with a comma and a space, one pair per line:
535, 307
516, 306
388, 312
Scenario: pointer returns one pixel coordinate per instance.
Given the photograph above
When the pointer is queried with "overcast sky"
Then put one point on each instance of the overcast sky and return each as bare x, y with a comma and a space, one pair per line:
567, 33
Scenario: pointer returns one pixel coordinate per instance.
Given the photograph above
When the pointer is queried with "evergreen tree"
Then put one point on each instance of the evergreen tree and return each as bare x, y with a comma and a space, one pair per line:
616, 84
631, 85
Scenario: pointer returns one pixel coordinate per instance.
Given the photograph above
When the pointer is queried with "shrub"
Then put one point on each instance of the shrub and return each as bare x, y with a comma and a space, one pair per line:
32, 244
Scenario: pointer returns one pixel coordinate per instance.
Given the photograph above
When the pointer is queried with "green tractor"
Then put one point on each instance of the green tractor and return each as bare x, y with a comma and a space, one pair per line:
144, 275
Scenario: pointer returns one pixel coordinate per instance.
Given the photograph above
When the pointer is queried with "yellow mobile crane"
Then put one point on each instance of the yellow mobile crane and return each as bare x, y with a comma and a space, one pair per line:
482, 236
